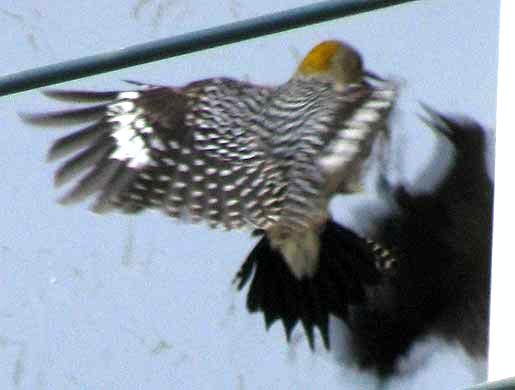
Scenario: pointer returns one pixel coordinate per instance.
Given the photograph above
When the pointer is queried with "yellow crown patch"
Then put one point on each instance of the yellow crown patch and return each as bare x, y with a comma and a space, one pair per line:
319, 58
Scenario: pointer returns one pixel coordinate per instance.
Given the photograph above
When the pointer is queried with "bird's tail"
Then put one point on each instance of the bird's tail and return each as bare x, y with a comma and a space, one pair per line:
346, 263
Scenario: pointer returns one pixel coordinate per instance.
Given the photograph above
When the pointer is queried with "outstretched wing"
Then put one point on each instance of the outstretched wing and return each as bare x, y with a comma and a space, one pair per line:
229, 152
187, 151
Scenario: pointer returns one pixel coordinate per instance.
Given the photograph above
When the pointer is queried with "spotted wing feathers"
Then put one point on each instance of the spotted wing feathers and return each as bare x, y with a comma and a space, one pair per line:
218, 150
180, 150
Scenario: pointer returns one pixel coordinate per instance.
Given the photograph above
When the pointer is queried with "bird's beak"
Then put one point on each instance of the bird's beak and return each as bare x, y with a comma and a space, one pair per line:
373, 76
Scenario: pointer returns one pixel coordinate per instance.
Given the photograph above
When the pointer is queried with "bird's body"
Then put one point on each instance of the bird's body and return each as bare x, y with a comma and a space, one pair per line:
231, 153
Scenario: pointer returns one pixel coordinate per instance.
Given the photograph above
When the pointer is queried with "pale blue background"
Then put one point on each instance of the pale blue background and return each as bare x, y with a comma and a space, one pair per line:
92, 302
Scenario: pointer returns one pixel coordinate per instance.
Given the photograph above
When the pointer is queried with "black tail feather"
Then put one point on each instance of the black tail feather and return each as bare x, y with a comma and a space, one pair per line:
347, 261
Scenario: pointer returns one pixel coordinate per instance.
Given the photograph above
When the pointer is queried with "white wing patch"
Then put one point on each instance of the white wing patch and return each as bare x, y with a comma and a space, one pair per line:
131, 146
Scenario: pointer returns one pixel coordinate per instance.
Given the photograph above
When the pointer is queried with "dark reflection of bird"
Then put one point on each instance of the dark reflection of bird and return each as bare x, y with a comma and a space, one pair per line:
440, 283
238, 155
432, 279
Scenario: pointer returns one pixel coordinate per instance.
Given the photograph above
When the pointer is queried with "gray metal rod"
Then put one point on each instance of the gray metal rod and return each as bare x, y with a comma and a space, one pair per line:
505, 384
187, 43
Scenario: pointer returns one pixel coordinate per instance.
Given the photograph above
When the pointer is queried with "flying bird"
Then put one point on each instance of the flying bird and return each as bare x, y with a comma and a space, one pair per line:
238, 155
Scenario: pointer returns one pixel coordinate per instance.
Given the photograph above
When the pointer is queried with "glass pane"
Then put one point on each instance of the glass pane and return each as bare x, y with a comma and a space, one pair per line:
141, 301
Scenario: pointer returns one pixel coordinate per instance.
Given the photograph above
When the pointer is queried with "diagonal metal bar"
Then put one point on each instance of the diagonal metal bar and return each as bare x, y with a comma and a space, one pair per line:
505, 384
187, 43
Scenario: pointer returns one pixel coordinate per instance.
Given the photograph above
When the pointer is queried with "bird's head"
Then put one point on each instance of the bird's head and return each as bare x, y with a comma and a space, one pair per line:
335, 60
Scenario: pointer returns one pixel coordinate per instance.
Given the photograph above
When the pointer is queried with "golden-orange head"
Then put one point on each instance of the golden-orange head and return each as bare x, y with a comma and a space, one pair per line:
333, 59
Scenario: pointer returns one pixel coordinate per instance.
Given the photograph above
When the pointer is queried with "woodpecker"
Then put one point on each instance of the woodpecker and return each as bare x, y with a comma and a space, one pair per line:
231, 153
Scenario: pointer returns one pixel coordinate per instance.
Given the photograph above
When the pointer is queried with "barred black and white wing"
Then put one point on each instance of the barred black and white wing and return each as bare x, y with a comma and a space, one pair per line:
186, 151
351, 144
228, 152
